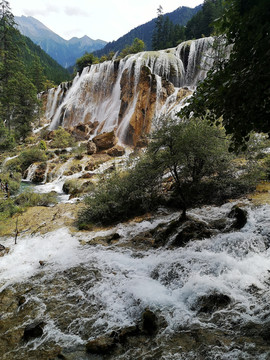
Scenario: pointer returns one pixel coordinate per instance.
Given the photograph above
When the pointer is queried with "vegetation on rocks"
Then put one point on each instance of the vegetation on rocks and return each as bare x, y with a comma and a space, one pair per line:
62, 139
187, 163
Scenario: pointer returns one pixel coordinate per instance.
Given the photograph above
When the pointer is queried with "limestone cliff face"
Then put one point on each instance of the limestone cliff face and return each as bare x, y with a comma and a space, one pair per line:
127, 95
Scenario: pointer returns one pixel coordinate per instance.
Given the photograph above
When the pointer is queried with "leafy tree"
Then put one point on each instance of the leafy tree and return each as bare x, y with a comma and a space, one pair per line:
190, 150
122, 195
239, 89
137, 46
86, 60
62, 139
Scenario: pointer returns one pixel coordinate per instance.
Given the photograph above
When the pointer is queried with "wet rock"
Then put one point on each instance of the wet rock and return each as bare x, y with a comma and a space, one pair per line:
80, 132
101, 345
105, 141
192, 230
3, 250
73, 170
117, 150
39, 175
33, 330
240, 216
127, 332
21, 300
91, 148
212, 302
87, 175
107, 239
149, 322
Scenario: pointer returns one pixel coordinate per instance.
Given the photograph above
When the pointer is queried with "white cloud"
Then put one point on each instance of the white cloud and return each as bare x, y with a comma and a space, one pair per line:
48, 10
73, 11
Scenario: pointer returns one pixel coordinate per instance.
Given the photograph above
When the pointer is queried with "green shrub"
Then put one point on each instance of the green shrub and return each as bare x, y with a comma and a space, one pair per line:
62, 139
8, 208
25, 159
122, 195
43, 145
29, 198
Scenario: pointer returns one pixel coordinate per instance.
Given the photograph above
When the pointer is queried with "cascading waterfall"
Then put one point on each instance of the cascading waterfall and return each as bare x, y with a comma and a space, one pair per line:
31, 172
127, 95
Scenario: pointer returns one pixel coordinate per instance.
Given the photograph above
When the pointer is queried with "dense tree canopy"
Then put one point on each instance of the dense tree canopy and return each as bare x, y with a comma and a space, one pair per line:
202, 23
18, 96
166, 34
239, 89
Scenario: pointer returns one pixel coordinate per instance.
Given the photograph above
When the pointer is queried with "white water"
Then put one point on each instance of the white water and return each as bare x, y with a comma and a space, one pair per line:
170, 281
31, 172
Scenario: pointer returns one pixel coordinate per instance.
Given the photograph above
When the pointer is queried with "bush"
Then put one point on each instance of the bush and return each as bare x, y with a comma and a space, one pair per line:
25, 159
29, 198
13, 180
43, 145
122, 195
8, 208
62, 139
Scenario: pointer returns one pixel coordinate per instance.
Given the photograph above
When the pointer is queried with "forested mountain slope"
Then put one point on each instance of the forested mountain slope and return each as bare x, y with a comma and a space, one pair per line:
144, 32
65, 52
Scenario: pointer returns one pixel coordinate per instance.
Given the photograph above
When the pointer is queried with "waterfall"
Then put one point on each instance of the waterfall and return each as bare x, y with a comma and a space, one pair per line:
126, 95
31, 172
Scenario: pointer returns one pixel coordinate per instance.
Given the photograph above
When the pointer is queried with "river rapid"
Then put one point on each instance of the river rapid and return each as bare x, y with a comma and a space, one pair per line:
91, 285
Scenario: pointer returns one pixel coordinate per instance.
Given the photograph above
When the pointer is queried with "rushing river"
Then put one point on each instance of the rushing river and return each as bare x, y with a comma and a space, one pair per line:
85, 290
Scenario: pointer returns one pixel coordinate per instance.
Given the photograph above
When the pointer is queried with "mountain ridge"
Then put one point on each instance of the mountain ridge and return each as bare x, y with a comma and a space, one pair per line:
144, 32
65, 52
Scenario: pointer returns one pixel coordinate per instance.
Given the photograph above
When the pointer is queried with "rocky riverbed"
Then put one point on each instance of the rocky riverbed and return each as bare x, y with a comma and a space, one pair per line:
133, 292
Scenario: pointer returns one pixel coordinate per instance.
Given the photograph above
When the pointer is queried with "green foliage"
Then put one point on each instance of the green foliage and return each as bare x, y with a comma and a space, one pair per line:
29, 198
192, 157
7, 141
43, 145
17, 93
238, 89
53, 72
86, 60
62, 139
137, 46
122, 196
8, 208
191, 151
202, 23
166, 34
13, 179
37, 74
25, 159
145, 32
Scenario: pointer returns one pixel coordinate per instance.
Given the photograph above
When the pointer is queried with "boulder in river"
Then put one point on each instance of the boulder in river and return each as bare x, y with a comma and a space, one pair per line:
240, 217
33, 330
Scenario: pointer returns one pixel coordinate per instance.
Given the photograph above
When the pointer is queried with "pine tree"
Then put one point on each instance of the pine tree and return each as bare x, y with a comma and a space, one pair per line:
17, 93
37, 75
157, 41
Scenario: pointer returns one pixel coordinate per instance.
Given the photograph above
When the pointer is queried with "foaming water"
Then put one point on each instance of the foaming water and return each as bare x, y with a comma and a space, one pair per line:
104, 288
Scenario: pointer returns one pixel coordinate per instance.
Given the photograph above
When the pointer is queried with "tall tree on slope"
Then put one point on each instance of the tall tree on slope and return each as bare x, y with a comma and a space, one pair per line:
17, 93
239, 89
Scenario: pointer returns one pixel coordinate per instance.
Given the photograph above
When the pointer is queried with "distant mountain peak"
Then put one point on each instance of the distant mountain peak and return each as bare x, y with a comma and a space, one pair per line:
65, 52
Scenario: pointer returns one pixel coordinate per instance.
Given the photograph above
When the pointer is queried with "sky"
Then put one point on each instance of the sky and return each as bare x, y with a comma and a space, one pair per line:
99, 19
